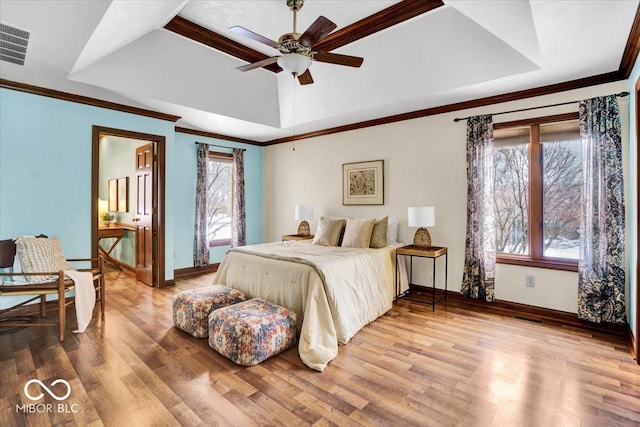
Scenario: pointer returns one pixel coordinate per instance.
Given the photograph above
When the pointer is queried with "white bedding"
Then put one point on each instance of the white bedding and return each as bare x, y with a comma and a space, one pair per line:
334, 291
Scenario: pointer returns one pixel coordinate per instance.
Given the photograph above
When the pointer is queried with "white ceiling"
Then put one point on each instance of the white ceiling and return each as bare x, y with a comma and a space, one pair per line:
119, 51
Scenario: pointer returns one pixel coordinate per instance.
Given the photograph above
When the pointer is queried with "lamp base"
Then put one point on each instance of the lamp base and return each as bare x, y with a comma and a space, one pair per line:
422, 237
303, 229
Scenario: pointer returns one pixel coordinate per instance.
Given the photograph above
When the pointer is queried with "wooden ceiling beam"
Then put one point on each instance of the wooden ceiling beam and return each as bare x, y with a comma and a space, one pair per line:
379, 21
399, 12
203, 35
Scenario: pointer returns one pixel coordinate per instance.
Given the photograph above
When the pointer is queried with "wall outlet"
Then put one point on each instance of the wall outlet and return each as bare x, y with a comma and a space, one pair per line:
531, 281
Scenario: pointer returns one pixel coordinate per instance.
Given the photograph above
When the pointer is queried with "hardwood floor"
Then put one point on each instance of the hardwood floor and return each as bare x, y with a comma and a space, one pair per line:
456, 366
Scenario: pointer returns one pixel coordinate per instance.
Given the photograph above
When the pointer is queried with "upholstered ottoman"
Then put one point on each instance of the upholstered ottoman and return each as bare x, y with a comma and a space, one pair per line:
251, 331
191, 308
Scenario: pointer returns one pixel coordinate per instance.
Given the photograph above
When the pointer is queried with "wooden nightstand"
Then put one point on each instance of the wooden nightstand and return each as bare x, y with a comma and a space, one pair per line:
291, 237
433, 252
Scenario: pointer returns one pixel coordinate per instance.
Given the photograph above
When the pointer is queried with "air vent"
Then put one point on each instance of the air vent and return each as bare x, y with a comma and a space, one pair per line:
13, 44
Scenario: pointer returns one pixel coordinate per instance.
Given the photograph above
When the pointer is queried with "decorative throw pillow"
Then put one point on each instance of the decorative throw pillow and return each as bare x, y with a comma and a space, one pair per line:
39, 255
392, 230
379, 234
357, 233
328, 231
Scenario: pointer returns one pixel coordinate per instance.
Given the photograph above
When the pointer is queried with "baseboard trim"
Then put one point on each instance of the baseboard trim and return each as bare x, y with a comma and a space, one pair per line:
192, 271
530, 312
123, 266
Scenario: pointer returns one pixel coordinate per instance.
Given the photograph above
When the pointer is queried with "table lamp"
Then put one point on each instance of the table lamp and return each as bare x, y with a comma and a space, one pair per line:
304, 213
422, 217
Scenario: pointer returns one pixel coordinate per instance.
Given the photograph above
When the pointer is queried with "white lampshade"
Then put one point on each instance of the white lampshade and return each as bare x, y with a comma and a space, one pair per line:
422, 217
294, 63
304, 212
103, 206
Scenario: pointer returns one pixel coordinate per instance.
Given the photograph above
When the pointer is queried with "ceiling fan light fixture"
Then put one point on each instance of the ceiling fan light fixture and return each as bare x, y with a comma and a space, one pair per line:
294, 63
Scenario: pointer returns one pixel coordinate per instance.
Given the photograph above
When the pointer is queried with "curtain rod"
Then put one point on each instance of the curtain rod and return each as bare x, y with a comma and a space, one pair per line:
221, 146
621, 94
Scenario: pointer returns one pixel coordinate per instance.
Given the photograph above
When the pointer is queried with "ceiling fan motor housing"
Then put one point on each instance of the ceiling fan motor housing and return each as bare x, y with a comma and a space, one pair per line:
295, 5
289, 44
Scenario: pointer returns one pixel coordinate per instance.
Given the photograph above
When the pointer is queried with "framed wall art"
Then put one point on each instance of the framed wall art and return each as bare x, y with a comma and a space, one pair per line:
123, 194
363, 183
118, 194
112, 185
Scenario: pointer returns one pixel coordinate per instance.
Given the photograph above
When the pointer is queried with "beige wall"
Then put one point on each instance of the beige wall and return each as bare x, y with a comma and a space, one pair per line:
425, 165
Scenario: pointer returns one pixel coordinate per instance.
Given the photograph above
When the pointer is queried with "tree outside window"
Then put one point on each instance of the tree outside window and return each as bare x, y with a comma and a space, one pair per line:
538, 181
219, 199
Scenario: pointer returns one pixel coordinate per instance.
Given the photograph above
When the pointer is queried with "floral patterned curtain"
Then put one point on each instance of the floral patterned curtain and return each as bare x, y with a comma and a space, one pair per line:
601, 275
239, 225
200, 232
480, 256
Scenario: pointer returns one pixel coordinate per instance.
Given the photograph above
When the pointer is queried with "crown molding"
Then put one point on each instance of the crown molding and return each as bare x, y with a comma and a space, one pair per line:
51, 93
632, 48
480, 102
218, 136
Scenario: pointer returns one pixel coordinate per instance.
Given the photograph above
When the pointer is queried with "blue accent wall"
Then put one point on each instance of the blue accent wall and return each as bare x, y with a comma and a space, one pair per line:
45, 174
185, 180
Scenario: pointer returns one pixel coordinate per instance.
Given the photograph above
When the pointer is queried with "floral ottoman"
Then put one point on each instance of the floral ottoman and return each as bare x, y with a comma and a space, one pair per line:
251, 331
191, 308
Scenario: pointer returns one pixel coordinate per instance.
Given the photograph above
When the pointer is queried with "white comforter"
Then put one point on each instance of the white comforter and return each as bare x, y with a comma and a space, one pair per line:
334, 291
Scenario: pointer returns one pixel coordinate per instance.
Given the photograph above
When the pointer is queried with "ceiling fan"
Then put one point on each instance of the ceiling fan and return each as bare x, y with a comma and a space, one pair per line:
297, 49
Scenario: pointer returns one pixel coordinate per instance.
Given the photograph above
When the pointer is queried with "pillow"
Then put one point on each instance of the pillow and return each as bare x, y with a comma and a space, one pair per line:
342, 230
392, 230
379, 234
357, 233
328, 231
38, 255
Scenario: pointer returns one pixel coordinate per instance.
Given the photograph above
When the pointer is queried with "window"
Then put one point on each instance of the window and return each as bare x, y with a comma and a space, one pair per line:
538, 184
219, 198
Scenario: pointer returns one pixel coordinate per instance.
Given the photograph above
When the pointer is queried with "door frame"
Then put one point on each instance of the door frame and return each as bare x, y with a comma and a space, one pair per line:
637, 266
158, 220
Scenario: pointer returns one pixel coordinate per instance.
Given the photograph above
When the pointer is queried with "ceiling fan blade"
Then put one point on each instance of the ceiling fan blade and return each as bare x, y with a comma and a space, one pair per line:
305, 78
320, 28
334, 58
254, 36
258, 64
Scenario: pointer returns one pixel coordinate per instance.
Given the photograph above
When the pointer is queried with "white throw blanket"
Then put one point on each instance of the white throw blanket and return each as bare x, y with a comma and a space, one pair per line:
85, 297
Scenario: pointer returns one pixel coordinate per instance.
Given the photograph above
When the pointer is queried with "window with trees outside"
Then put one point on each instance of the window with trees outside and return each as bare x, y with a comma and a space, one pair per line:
538, 184
219, 198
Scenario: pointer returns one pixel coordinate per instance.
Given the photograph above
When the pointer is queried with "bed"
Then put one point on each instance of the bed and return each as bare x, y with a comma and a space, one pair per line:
334, 291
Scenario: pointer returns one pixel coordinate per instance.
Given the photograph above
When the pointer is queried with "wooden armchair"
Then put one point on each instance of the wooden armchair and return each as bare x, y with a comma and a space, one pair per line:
60, 287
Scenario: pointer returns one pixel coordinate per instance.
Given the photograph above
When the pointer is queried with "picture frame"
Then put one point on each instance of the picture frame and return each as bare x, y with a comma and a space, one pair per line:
123, 194
112, 188
118, 189
363, 183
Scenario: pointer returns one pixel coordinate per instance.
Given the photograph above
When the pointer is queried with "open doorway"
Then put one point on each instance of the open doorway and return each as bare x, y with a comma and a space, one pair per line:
637, 284
127, 211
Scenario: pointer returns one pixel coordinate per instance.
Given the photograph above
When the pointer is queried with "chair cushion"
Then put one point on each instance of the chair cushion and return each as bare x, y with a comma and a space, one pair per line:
41, 255
252, 331
191, 308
